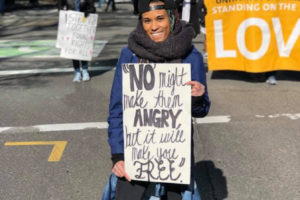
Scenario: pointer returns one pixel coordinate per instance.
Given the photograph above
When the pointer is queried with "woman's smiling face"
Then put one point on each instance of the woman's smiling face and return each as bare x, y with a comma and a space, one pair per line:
156, 23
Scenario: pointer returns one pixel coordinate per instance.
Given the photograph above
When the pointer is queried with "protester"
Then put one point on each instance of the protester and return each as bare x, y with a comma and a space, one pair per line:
86, 6
202, 14
271, 78
189, 12
135, 7
113, 5
100, 2
61, 4
159, 37
2, 7
186, 10
34, 3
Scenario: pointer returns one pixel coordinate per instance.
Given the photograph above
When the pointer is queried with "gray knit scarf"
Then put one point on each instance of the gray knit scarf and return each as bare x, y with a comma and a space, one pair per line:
176, 46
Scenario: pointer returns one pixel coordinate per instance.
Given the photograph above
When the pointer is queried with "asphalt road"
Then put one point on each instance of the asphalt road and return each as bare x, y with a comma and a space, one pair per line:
249, 150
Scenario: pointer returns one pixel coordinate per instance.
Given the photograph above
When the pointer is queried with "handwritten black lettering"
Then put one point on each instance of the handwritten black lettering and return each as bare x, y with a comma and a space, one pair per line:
171, 79
136, 100
182, 162
154, 170
79, 44
150, 137
149, 70
141, 153
141, 79
167, 102
132, 138
172, 169
166, 154
177, 136
80, 28
144, 168
69, 50
161, 168
155, 117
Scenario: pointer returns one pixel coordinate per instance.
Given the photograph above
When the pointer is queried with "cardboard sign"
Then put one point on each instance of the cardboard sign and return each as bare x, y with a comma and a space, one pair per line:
253, 36
76, 35
61, 31
157, 122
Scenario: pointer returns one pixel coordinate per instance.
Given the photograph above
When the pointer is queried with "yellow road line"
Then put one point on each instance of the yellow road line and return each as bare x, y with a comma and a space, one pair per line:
57, 151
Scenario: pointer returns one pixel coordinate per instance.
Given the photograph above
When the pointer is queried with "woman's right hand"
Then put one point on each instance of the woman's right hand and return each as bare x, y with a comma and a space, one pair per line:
119, 170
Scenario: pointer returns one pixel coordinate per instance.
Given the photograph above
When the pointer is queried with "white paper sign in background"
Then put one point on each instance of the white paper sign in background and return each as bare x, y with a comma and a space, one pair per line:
157, 122
61, 31
76, 35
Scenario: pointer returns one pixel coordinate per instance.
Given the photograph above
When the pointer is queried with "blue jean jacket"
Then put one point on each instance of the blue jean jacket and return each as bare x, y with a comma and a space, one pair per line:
111, 185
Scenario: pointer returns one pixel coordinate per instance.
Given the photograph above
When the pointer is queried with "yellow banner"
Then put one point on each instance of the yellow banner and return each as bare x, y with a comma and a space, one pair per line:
253, 35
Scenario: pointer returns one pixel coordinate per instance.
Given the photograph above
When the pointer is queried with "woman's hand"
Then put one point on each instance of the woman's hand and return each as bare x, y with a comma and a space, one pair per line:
119, 170
198, 88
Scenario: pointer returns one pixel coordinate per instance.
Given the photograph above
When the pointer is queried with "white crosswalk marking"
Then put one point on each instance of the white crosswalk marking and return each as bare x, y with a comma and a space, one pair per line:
94, 125
52, 70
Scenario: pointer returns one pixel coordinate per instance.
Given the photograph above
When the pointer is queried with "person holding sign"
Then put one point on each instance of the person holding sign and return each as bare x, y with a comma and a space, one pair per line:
86, 6
160, 37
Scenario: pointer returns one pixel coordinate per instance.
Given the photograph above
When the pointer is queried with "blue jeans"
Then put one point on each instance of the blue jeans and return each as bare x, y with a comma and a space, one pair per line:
111, 185
100, 2
110, 188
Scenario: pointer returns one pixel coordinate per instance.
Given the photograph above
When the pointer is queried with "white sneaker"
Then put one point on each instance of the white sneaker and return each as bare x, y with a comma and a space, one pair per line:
205, 56
85, 75
77, 77
272, 80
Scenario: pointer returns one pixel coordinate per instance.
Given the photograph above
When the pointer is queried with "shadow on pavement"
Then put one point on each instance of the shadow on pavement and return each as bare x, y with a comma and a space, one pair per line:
106, 62
23, 81
21, 30
25, 5
211, 182
254, 77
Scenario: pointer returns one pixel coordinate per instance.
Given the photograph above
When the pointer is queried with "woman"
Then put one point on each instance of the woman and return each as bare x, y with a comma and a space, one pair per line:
159, 37
86, 6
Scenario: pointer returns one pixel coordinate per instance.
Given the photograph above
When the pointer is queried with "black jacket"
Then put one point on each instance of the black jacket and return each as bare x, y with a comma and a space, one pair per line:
86, 6
194, 13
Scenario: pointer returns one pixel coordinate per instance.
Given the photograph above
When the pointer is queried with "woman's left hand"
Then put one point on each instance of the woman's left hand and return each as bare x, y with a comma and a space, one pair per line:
198, 88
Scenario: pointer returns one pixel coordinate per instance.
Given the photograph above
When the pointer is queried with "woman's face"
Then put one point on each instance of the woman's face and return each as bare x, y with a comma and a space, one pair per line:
156, 23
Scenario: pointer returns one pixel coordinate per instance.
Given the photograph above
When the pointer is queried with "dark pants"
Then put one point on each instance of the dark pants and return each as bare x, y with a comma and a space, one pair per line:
76, 64
135, 6
113, 4
271, 73
1, 6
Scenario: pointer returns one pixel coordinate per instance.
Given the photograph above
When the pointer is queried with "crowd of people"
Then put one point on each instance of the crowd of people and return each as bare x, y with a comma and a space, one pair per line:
194, 12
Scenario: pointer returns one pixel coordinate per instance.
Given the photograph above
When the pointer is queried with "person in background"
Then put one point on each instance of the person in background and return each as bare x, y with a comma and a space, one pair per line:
160, 37
61, 4
2, 7
186, 10
100, 2
113, 5
202, 14
34, 3
135, 7
189, 12
86, 6
271, 78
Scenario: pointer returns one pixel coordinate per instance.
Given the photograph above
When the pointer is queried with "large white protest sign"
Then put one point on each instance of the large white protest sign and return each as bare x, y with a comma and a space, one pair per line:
76, 34
157, 122
61, 32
